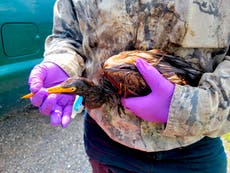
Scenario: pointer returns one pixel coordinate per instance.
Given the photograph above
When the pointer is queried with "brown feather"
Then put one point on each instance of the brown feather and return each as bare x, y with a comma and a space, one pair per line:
118, 77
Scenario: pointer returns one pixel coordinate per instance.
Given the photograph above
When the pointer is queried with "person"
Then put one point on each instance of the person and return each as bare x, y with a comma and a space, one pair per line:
175, 128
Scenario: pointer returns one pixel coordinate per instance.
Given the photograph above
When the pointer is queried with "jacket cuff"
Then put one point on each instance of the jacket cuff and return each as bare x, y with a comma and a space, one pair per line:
184, 119
67, 62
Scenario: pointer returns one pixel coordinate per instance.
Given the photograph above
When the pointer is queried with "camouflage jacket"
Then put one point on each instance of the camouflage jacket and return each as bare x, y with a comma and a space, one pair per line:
86, 32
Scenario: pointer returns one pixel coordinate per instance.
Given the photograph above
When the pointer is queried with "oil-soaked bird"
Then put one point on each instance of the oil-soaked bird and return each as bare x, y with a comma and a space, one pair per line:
119, 77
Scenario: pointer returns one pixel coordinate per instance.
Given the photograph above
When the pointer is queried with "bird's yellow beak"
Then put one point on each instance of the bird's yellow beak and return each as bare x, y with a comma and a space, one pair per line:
59, 89
27, 96
53, 90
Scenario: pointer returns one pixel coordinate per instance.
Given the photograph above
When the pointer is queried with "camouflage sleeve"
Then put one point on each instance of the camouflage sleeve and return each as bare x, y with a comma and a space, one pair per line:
202, 110
64, 46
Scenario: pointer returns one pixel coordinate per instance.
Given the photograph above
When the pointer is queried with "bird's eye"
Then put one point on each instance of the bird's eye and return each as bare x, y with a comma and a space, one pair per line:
73, 88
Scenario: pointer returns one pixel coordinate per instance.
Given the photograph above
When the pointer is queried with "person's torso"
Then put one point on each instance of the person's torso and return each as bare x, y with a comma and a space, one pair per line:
194, 30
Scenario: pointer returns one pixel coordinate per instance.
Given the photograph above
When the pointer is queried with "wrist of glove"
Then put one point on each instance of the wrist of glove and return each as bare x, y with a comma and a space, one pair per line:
58, 106
153, 107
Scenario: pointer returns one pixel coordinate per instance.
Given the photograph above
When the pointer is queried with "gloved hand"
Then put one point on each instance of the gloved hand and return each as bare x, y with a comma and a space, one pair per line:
58, 106
155, 106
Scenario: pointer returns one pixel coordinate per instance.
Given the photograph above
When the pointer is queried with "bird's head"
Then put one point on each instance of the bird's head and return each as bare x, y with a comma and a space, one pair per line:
93, 94
69, 86
73, 85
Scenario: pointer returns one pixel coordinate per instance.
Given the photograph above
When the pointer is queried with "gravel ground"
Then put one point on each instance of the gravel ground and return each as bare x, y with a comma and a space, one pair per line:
28, 144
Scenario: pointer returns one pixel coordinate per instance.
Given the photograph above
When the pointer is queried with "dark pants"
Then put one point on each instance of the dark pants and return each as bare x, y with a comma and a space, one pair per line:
108, 156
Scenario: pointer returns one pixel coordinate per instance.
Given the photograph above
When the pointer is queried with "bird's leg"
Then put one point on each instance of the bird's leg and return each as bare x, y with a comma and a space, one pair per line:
125, 90
120, 89
120, 109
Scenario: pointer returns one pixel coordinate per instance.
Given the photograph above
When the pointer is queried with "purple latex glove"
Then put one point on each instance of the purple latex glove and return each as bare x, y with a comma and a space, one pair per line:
58, 106
155, 106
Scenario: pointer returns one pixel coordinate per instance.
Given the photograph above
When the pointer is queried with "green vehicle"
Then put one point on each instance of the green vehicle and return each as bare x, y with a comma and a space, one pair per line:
24, 26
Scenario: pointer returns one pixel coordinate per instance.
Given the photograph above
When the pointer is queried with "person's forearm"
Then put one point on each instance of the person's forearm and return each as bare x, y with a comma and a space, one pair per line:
204, 109
64, 46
